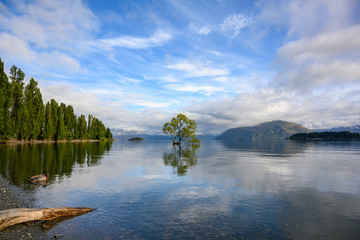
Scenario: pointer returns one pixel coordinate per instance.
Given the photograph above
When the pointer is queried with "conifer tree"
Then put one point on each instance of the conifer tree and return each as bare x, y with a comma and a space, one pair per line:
24, 117
54, 106
82, 130
48, 123
5, 102
34, 105
60, 135
90, 129
70, 122
108, 134
24, 127
101, 130
51, 119
17, 85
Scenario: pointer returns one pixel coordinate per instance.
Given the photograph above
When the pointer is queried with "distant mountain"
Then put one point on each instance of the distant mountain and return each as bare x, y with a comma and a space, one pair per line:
355, 128
273, 129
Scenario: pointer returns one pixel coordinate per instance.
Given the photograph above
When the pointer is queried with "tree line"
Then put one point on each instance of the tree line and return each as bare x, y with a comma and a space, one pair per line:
326, 135
23, 115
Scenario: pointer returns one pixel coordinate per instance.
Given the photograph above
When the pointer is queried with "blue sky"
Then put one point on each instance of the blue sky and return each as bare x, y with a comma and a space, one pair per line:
136, 64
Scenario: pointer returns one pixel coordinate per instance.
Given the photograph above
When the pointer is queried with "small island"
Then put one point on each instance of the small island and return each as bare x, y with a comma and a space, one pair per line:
343, 135
136, 139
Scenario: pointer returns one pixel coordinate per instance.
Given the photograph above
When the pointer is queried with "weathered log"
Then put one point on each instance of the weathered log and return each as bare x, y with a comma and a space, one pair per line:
14, 216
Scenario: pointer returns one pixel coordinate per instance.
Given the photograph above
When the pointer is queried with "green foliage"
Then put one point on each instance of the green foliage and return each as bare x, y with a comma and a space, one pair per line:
23, 115
34, 108
23, 130
108, 134
5, 102
70, 122
96, 129
60, 133
181, 129
48, 123
17, 85
17, 75
136, 139
82, 131
51, 120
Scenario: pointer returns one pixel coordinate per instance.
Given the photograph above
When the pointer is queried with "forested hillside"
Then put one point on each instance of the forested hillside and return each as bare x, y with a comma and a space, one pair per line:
343, 135
23, 115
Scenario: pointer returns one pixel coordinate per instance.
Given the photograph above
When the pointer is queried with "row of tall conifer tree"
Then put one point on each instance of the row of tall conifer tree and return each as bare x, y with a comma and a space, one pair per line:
23, 115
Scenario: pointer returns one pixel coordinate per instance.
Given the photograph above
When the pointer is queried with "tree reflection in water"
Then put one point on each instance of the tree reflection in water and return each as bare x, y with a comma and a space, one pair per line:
19, 162
181, 159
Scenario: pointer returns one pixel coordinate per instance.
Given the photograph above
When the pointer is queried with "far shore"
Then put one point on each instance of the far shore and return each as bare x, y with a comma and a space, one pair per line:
49, 141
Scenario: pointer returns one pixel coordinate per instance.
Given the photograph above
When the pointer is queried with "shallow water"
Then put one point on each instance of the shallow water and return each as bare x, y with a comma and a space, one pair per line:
222, 190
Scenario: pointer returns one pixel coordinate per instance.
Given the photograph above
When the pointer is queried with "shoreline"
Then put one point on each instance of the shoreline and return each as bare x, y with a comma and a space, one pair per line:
10, 142
10, 197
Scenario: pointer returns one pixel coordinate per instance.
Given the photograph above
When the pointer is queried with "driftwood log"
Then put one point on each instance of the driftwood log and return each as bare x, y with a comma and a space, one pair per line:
14, 216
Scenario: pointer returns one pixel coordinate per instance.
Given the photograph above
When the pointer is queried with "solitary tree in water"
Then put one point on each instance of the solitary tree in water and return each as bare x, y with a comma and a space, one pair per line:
182, 129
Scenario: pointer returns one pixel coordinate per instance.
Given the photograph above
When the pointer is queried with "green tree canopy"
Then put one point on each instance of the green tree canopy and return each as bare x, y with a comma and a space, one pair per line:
17, 75
23, 115
5, 103
108, 134
181, 129
33, 111
82, 130
17, 100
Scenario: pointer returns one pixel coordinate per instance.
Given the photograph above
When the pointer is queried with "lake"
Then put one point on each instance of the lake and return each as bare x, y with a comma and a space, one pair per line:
279, 189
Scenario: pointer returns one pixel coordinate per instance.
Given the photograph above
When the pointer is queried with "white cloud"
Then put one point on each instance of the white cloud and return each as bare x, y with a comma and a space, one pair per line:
59, 59
206, 90
198, 69
157, 39
91, 103
342, 43
129, 81
44, 33
304, 18
152, 104
235, 23
317, 67
318, 111
221, 79
202, 30
170, 78
15, 47
49, 24
327, 58
308, 17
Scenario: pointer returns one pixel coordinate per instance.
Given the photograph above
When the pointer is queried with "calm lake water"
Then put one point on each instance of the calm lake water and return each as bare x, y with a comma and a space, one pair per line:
222, 190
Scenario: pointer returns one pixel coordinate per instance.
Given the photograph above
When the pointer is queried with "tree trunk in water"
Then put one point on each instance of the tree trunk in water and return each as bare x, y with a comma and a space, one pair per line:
14, 216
